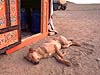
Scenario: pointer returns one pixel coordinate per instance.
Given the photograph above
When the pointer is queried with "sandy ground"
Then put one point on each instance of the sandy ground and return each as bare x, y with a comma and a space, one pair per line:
78, 22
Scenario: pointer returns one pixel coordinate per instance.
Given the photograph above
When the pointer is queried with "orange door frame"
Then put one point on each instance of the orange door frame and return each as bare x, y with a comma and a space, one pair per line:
44, 28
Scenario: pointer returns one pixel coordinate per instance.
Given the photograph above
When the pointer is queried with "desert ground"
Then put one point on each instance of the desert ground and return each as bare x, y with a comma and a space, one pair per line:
78, 22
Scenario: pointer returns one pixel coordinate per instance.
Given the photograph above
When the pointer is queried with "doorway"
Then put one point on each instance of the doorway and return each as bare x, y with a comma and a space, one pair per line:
30, 17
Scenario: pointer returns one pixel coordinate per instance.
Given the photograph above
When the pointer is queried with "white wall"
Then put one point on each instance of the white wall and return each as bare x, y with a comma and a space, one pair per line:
84, 1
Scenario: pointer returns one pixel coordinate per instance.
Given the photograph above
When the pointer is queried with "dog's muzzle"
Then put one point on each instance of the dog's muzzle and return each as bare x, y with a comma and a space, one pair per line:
35, 63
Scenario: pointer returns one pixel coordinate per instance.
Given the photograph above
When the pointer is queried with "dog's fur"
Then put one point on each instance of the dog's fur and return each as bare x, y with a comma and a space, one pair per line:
49, 49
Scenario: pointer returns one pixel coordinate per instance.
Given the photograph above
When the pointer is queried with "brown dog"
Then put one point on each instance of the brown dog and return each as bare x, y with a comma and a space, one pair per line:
51, 48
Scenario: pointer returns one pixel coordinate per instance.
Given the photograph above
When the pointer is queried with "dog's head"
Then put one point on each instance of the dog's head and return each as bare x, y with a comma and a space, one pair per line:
33, 56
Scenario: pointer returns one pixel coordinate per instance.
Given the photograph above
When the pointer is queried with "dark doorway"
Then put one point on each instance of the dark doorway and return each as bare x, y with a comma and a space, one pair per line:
30, 17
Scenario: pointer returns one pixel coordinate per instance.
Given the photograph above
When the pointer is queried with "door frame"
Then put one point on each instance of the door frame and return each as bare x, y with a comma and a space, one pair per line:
44, 28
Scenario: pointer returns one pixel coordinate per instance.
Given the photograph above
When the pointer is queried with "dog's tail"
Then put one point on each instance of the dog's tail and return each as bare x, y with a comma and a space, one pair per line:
74, 43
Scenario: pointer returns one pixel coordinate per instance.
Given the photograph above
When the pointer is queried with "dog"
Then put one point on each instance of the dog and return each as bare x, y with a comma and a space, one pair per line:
49, 49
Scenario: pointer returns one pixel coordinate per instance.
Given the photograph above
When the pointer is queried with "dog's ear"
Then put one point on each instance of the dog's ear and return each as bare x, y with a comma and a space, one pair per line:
31, 50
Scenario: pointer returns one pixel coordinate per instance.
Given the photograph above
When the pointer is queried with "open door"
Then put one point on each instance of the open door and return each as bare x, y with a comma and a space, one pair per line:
34, 17
30, 11
9, 24
11, 36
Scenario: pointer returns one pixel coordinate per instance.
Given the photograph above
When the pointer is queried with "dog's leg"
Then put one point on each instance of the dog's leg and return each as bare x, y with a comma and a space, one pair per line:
61, 60
60, 57
71, 43
58, 52
74, 43
64, 46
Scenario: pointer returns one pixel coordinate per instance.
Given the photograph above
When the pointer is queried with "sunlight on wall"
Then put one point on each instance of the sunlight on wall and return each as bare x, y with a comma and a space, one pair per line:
84, 1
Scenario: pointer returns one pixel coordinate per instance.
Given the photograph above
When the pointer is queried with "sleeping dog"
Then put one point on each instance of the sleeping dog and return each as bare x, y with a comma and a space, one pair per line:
51, 48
